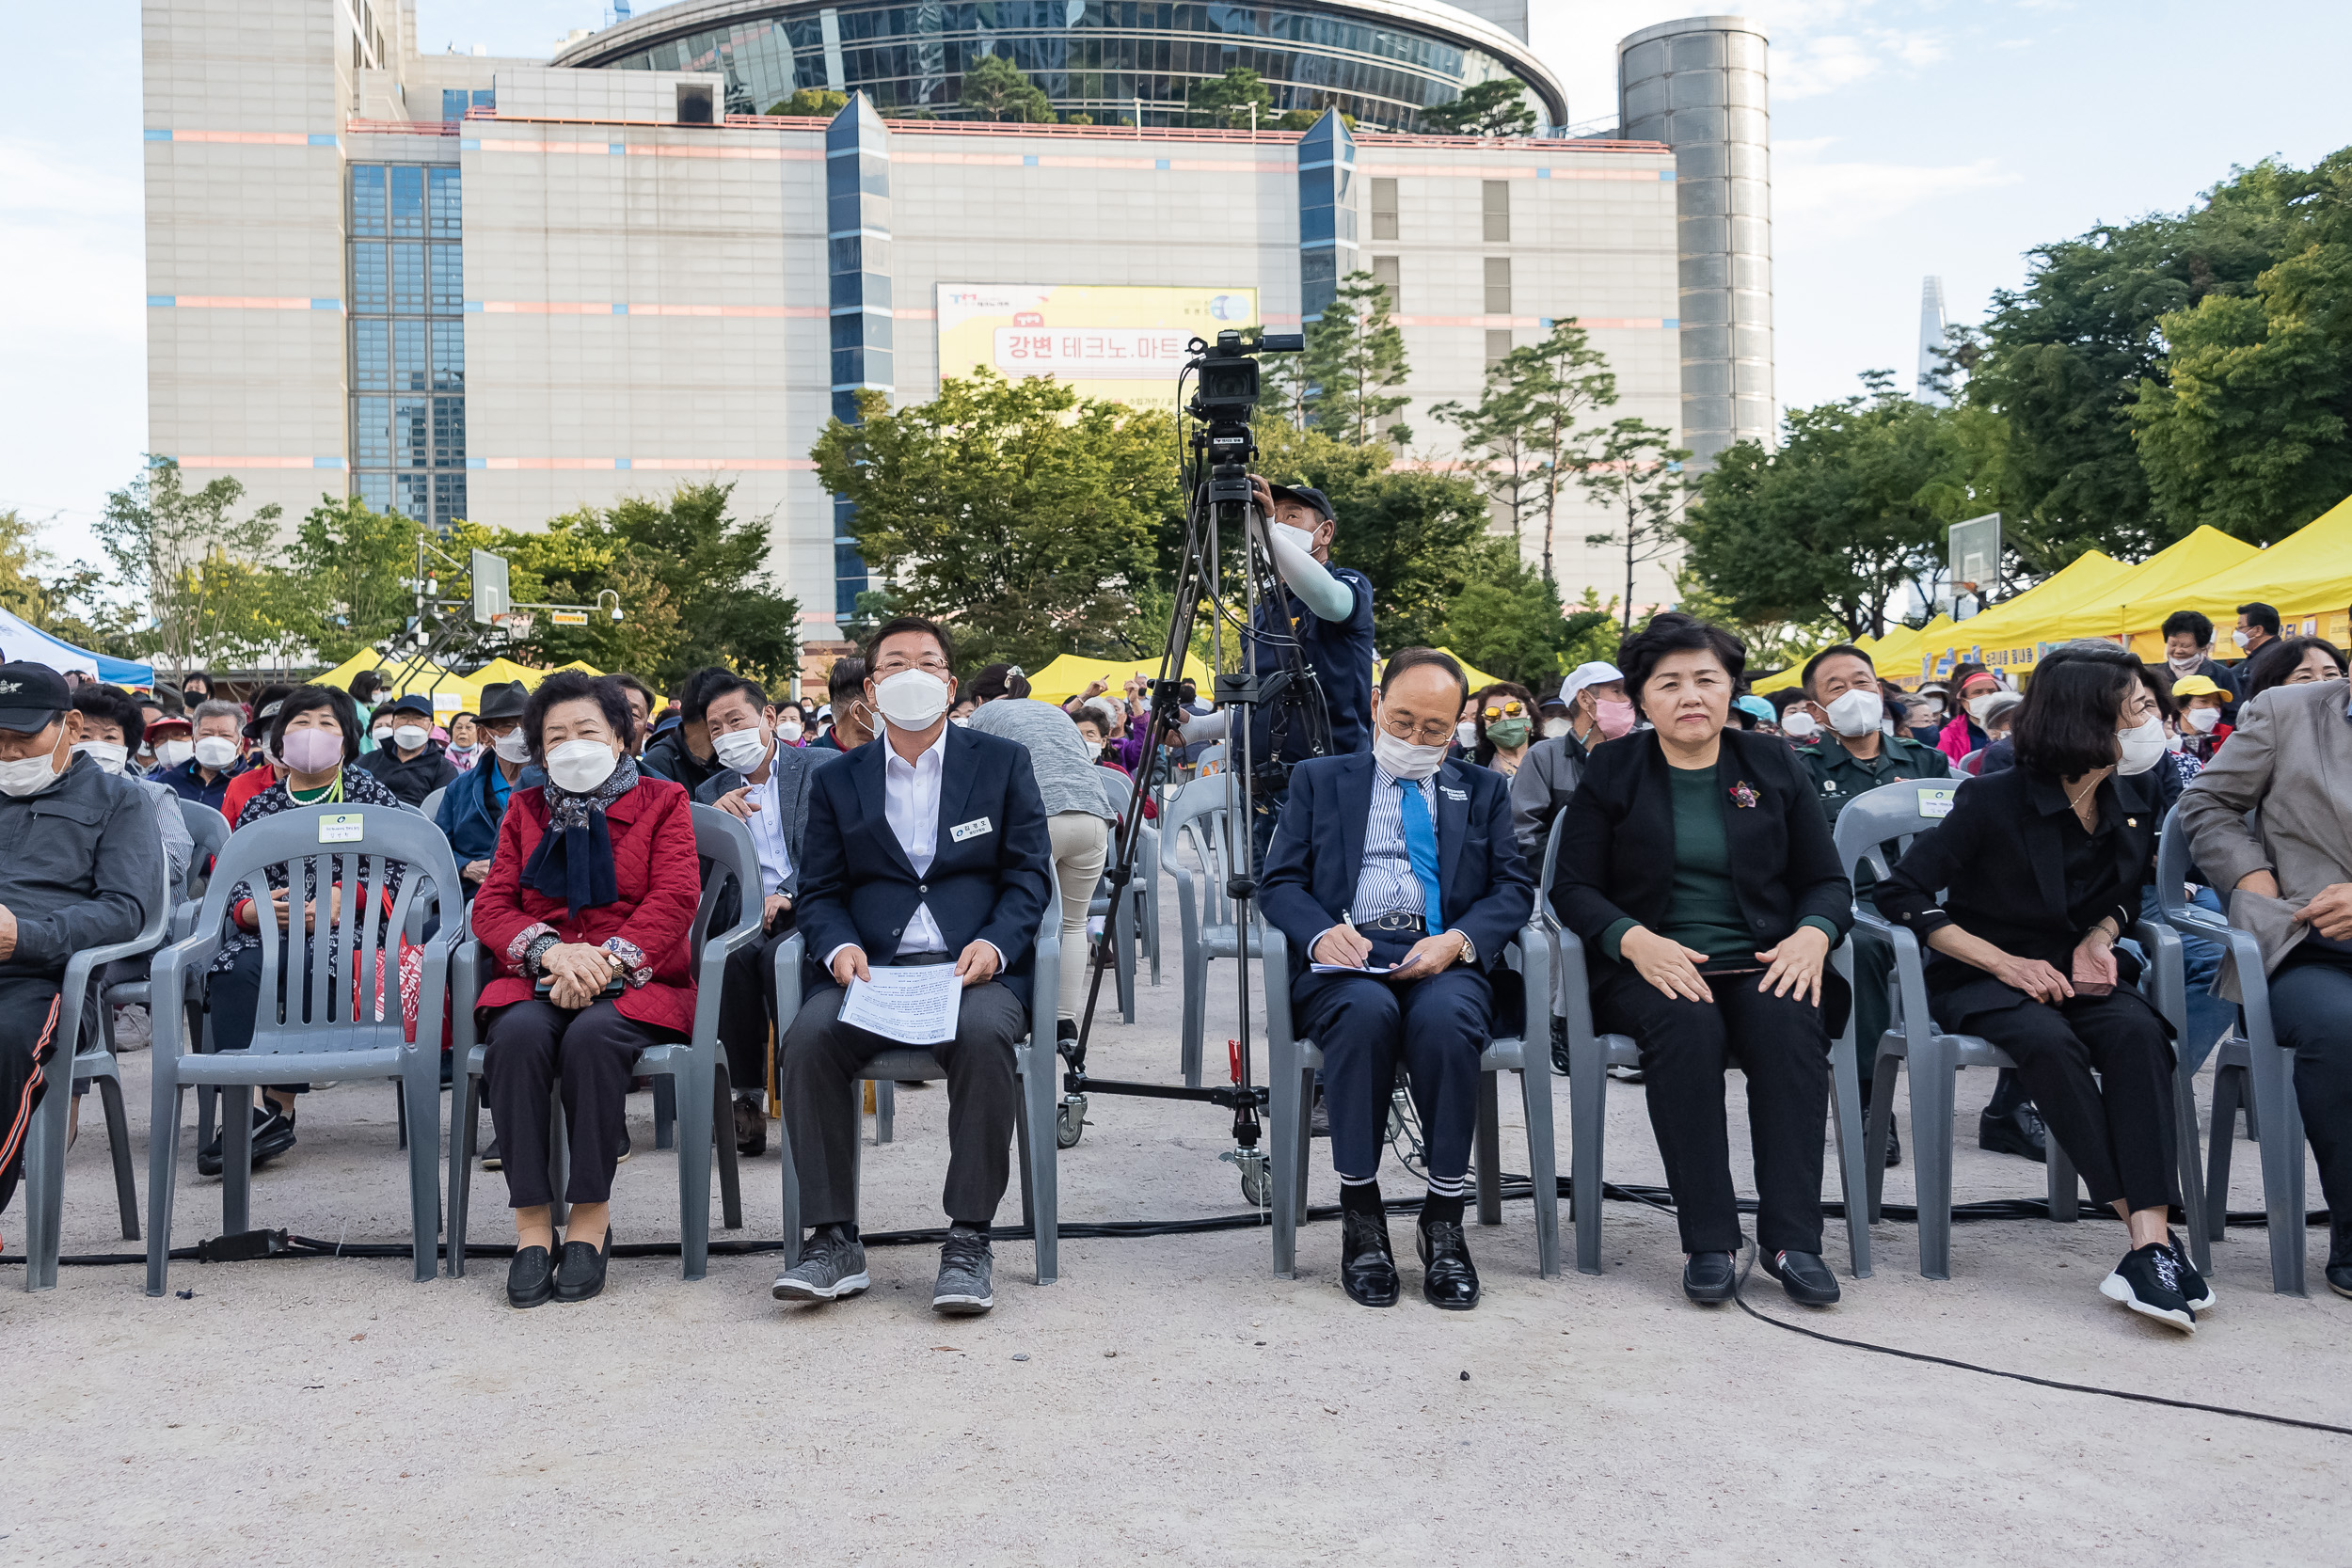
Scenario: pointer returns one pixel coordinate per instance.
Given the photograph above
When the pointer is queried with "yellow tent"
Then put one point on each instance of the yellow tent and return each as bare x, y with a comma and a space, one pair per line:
2306, 576
580, 664
2170, 576
1479, 679
1069, 674
1794, 674
2007, 637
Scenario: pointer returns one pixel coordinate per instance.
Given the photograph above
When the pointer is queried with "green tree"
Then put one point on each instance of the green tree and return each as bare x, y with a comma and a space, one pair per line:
195, 562
1016, 511
2250, 431
1497, 108
811, 101
1499, 442
354, 569
1554, 384
1354, 356
1629, 472
66, 601
1848, 515
995, 89
1507, 618
1228, 100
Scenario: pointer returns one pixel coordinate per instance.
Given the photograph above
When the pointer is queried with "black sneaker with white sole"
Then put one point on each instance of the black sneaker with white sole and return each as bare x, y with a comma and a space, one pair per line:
2194, 1289
2148, 1281
832, 1266
965, 1264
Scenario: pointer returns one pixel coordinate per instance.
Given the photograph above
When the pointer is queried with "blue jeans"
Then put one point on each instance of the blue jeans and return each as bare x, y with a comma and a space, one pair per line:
2201, 960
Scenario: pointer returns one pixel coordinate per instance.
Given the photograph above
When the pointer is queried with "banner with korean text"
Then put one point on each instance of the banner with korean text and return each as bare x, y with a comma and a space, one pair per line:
1120, 343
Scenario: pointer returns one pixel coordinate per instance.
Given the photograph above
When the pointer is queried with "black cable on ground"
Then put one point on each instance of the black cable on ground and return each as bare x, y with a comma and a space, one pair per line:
1738, 1293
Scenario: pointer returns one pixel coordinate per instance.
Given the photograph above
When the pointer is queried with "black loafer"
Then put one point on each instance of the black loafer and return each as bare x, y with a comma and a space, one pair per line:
751, 1128
1894, 1145
1448, 1280
530, 1278
1804, 1276
581, 1275
1707, 1277
2019, 1133
1367, 1267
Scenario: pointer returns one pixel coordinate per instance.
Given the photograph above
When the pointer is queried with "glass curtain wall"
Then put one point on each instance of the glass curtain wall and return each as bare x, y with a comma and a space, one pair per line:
408, 340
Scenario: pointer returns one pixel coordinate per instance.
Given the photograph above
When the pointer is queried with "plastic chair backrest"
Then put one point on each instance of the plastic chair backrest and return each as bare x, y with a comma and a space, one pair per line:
724, 845
430, 808
1197, 815
210, 830
1892, 813
345, 959
2173, 865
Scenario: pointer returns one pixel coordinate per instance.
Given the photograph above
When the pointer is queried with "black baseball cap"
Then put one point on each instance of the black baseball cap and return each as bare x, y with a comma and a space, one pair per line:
1305, 495
31, 697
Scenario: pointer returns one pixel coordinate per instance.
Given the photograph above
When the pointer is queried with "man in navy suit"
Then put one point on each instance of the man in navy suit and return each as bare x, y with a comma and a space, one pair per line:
925, 846
1400, 858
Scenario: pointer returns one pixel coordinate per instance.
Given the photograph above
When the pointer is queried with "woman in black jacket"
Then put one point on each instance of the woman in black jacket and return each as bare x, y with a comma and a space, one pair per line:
2041, 868
1695, 863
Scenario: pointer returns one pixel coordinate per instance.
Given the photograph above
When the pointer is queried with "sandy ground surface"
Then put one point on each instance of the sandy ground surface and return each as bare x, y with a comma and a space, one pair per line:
1169, 1401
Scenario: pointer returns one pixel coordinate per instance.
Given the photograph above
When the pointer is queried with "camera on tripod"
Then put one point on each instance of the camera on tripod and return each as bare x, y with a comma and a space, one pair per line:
1226, 393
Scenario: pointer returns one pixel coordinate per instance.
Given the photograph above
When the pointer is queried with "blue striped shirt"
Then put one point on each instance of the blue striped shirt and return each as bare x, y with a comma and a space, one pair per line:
1386, 884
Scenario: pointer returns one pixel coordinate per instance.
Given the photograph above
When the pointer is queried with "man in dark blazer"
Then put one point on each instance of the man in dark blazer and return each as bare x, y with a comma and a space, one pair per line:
925, 846
1402, 861
768, 791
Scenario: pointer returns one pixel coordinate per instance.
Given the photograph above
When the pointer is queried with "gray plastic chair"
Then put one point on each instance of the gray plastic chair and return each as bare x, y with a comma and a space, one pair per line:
1036, 1059
699, 1064
332, 1044
2251, 1052
1291, 1065
45, 1139
1133, 917
1893, 813
430, 807
210, 829
1196, 815
1591, 1056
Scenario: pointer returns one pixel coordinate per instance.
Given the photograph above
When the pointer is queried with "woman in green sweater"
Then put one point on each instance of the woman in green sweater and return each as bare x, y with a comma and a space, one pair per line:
1695, 864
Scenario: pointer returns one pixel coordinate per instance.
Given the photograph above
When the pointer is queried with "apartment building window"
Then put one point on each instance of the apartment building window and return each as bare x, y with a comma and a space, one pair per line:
408, 340
1497, 285
1494, 206
456, 101
1383, 272
1384, 209
1498, 345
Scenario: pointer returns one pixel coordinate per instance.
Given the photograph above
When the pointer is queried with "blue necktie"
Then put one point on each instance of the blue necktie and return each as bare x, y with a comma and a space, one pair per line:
1421, 846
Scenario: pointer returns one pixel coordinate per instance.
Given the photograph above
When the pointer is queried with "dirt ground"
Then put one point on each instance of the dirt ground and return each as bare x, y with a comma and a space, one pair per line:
1168, 1401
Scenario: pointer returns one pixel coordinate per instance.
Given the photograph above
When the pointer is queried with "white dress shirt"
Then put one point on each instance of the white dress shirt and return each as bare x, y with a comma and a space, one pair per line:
911, 801
768, 830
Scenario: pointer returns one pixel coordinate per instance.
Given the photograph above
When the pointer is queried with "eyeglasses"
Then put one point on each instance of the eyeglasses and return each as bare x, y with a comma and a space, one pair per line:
1433, 731
1510, 709
891, 664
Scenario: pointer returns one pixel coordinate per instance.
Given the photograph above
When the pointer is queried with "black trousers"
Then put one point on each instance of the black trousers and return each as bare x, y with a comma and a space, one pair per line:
1437, 1026
232, 998
746, 1004
530, 1045
29, 1006
2117, 1127
2311, 1007
1782, 1042
821, 1061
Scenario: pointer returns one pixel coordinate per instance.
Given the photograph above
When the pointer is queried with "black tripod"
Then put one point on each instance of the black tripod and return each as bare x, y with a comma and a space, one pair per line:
1222, 504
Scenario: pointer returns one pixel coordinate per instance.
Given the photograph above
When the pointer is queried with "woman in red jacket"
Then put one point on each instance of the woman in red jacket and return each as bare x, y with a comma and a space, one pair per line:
586, 910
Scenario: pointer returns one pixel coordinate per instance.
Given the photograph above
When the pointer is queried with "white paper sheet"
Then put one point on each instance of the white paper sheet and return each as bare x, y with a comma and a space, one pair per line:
913, 1005
1352, 969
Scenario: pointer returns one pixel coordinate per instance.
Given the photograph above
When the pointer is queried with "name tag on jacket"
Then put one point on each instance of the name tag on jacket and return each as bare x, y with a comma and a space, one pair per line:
1452, 794
973, 829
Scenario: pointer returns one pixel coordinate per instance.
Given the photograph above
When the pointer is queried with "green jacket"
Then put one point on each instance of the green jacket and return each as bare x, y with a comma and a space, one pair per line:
1838, 775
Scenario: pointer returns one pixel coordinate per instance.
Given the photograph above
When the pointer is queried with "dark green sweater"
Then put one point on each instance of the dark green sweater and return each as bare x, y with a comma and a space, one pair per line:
1705, 913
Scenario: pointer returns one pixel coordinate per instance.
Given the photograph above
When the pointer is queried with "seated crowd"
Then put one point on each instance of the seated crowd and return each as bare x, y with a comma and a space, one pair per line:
915, 819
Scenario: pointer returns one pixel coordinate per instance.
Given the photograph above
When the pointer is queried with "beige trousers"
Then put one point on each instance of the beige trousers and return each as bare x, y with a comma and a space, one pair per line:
1082, 843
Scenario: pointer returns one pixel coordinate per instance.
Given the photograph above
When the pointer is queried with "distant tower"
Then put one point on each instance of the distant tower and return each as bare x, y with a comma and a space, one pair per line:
1931, 340
1699, 86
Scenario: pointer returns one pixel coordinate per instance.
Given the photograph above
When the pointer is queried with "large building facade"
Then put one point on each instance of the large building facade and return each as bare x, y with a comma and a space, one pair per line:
499, 289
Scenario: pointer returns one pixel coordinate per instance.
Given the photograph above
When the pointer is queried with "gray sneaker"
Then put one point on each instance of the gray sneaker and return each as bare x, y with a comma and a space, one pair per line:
831, 1266
964, 1263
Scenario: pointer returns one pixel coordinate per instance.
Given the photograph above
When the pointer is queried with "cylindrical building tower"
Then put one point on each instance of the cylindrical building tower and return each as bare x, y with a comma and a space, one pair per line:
1699, 86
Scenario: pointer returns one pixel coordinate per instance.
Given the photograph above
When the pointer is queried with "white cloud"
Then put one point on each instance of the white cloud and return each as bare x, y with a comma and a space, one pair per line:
1807, 67
1836, 199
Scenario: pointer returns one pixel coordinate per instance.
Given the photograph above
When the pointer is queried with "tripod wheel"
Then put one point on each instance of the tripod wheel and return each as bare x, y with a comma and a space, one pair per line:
1070, 1125
1256, 1182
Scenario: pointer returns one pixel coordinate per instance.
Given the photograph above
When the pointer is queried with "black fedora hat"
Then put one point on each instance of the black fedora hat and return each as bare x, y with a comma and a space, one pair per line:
502, 701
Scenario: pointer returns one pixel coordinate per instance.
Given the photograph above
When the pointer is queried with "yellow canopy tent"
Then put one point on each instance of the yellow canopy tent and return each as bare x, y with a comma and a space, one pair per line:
1794, 674
1069, 674
450, 692
2006, 636
2306, 576
2169, 577
580, 664
1479, 679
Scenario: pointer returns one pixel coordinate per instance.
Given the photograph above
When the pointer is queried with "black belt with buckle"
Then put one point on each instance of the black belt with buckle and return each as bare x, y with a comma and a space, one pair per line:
1395, 922
910, 960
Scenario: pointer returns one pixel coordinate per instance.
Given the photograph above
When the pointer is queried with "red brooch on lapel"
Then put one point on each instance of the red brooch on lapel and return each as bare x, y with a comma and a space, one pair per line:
1743, 795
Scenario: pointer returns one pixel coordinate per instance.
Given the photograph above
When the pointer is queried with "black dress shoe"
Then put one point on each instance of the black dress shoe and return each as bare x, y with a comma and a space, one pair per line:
2019, 1133
2339, 1255
530, 1278
1367, 1267
581, 1275
1448, 1280
1804, 1276
751, 1128
1707, 1277
1894, 1145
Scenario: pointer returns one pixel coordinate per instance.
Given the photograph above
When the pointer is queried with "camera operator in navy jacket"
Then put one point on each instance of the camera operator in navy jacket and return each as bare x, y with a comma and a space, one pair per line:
1399, 857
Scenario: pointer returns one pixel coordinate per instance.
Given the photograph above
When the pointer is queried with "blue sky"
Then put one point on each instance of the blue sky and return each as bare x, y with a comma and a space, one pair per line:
1910, 137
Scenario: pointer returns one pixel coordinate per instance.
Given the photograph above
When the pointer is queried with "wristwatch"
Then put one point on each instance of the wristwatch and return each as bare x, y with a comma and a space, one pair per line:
1470, 950
620, 965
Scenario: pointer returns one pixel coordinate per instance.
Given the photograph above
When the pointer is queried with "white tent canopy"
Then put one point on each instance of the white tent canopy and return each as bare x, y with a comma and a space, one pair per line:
21, 639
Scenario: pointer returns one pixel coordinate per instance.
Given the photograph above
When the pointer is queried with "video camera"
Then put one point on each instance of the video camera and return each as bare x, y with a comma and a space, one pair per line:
1227, 391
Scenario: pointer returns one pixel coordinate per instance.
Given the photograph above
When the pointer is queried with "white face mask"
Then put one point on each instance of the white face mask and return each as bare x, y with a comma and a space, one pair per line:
2239, 638
741, 750
1402, 759
790, 731
215, 752
513, 746
409, 736
1977, 705
1465, 734
171, 753
2203, 720
580, 766
2188, 666
108, 755
2141, 745
27, 775
1856, 712
1303, 538
911, 699
1797, 724
1556, 728
2174, 742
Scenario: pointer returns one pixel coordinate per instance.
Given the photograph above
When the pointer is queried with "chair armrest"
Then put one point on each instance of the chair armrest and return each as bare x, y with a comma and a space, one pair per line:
788, 961
1911, 979
1573, 986
168, 974
2161, 944
1536, 944
1276, 949
466, 964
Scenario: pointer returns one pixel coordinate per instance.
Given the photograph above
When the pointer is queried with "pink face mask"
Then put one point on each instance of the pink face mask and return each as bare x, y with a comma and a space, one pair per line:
313, 751
1615, 718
